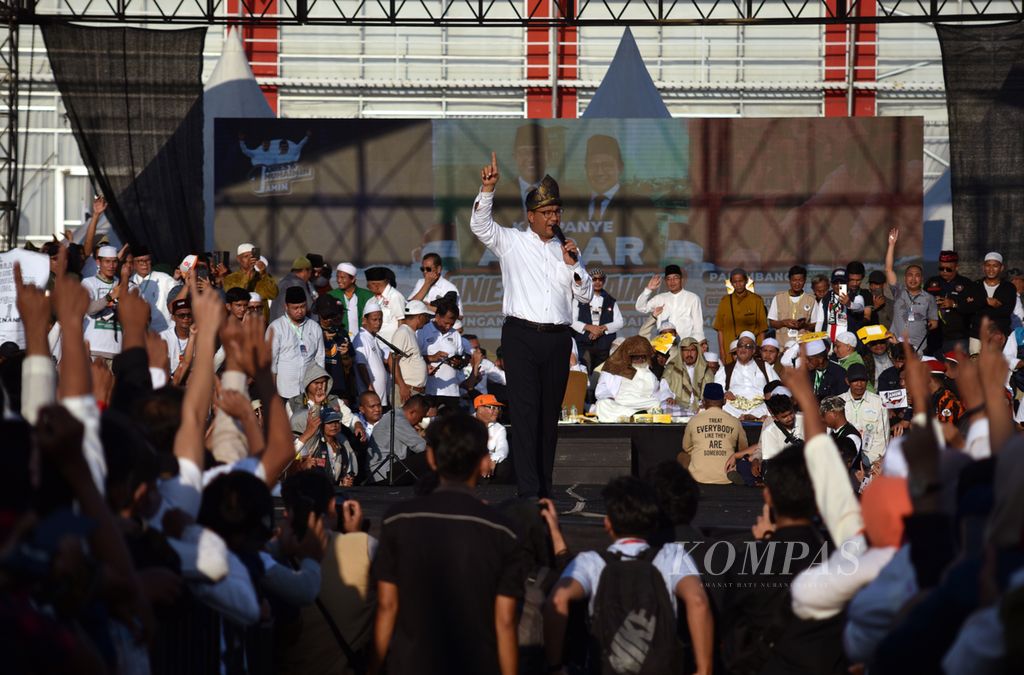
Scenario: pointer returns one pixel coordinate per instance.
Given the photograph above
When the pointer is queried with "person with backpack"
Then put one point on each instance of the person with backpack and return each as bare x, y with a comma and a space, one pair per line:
632, 590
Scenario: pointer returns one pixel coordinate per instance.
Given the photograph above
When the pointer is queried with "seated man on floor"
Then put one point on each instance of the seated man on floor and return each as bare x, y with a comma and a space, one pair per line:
687, 373
488, 408
409, 445
744, 380
627, 385
711, 437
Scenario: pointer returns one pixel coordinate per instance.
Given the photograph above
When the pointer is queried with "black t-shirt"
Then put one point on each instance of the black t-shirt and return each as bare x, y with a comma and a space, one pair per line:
450, 555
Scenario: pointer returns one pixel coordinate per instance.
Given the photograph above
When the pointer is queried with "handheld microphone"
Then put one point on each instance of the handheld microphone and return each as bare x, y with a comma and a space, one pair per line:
557, 231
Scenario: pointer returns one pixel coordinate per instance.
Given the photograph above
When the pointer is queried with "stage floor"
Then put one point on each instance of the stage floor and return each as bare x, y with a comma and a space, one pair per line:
724, 509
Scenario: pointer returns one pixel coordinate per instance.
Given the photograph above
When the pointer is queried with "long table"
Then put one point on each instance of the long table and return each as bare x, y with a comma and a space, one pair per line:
594, 453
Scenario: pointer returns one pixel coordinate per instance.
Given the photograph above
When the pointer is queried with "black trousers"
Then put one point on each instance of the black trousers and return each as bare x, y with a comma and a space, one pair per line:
537, 369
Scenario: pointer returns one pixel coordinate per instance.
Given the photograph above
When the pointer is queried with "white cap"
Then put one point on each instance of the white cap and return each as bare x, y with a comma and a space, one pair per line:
748, 334
106, 252
711, 357
244, 248
846, 337
771, 342
372, 306
255, 297
992, 255
412, 307
666, 325
347, 268
732, 346
782, 391
815, 347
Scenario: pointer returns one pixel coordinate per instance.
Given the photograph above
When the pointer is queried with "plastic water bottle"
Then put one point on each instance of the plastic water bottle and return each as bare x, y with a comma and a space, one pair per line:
572, 413
564, 416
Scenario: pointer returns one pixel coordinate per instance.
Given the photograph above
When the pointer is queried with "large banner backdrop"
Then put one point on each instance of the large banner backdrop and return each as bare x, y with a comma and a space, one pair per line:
708, 195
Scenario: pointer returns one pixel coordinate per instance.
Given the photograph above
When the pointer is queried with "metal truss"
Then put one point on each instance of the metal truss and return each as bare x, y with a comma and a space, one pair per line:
8, 128
532, 13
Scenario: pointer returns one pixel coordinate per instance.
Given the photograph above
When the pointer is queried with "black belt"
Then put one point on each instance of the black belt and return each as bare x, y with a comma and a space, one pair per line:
539, 327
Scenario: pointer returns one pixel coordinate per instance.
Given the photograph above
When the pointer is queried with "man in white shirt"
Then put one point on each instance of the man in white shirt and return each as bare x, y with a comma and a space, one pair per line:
488, 372
371, 364
597, 322
390, 302
793, 311
864, 410
543, 281
785, 426
102, 330
441, 347
488, 409
632, 514
411, 376
153, 288
177, 337
297, 344
744, 381
432, 286
680, 307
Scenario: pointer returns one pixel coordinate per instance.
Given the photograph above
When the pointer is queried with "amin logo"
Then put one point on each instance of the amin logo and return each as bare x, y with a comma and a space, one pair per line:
275, 165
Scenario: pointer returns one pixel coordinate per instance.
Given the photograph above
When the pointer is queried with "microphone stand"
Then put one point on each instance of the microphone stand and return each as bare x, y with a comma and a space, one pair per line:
392, 459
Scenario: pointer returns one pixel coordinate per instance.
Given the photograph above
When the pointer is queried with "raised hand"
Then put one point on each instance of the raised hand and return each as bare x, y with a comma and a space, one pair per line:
34, 309
207, 309
156, 351
658, 311
234, 403
133, 312
654, 283
99, 205
352, 516
70, 300
250, 349
894, 235
489, 174
916, 375
59, 438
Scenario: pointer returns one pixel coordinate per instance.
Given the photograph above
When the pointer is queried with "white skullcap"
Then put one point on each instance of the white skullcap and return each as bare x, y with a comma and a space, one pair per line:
782, 391
372, 306
816, 347
106, 252
771, 342
244, 248
847, 338
732, 346
666, 325
748, 334
255, 297
711, 357
992, 255
347, 268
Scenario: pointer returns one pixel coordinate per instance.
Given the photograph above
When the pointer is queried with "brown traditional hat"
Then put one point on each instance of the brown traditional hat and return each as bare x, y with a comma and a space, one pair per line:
545, 194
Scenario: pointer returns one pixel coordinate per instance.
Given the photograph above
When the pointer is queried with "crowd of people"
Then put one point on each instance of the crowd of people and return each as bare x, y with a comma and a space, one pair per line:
153, 418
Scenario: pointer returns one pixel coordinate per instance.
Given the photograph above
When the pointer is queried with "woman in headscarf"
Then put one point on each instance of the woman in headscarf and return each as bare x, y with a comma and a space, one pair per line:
627, 385
686, 373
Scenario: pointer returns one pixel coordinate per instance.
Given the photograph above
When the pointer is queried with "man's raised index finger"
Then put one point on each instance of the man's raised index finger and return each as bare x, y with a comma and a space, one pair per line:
494, 160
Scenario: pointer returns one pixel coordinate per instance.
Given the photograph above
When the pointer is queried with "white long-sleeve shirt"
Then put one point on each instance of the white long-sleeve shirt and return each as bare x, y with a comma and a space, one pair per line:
497, 442
538, 285
295, 348
445, 379
154, 289
596, 304
392, 304
368, 353
608, 387
440, 288
683, 309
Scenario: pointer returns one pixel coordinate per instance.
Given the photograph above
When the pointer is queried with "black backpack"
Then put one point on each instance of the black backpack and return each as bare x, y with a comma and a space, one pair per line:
633, 627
